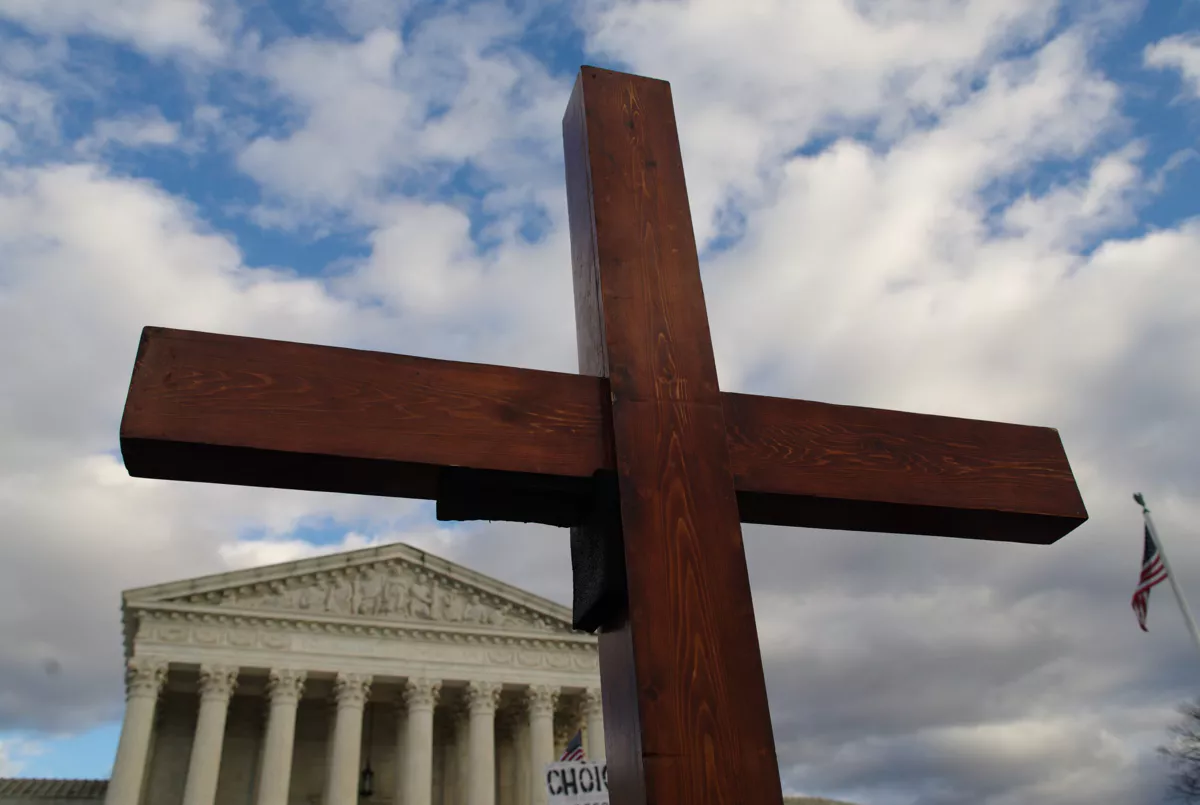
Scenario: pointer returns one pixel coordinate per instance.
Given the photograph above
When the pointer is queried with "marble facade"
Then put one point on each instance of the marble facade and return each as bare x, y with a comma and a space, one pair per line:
279, 685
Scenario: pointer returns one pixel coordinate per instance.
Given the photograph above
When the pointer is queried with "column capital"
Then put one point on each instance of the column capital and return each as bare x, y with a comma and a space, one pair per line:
217, 682
421, 693
145, 677
482, 697
286, 685
592, 701
351, 690
541, 699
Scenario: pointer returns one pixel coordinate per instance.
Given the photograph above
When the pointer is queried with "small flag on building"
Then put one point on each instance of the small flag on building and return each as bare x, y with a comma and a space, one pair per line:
1153, 572
574, 750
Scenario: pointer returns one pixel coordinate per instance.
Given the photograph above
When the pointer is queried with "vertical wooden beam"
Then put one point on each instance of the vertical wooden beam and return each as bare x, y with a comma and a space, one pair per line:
685, 702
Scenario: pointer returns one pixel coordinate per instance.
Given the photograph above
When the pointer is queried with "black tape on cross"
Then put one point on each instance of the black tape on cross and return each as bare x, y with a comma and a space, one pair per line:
598, 560
514, 497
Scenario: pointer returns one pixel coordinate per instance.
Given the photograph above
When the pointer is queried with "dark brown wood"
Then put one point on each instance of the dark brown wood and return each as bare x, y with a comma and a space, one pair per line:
284, 411
643, 455
248, 411
812, 464
681, 664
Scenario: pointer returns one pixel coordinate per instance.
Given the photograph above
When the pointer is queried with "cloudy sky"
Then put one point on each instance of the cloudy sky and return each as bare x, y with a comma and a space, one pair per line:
982, 208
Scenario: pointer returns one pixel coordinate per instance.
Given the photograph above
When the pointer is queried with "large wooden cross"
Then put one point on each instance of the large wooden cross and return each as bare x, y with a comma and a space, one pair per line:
652, 466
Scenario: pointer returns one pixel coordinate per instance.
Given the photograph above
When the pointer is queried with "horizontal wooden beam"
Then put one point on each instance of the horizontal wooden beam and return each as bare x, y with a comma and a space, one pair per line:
523, 444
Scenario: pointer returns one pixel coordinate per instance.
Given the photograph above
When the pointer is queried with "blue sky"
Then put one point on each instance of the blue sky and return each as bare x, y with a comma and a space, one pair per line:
981, 208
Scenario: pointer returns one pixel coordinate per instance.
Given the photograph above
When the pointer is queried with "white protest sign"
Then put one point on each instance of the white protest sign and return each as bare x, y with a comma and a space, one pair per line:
576, 783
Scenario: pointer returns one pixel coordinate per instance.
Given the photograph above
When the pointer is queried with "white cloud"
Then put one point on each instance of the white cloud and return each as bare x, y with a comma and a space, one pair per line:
247, 553
363, 16
149, 129
157, 27
892, 268
381, 110
1001, 757
15, 753
423, 258
752, 86
357, 120
1182, 53
27, 113
511, 305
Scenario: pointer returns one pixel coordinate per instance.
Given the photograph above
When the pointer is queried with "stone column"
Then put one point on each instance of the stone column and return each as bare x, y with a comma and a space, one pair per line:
284, 689
521, 755
350, 691
415, 781
144, 679
593, 712
482, 698
541, 700
216, 686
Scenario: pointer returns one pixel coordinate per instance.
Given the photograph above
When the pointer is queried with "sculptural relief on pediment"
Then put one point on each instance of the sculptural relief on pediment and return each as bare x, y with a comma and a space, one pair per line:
385, 591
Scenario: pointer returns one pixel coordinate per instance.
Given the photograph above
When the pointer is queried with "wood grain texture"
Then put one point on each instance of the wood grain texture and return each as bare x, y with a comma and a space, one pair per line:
603, 534
684, 671
196, 393
217, 408
839, 466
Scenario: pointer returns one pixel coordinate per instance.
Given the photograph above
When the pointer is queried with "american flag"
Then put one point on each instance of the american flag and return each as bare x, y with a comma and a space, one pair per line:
574, 750
1153, 572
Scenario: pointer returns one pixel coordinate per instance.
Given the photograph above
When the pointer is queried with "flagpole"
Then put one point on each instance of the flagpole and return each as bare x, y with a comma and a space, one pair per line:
1162, 554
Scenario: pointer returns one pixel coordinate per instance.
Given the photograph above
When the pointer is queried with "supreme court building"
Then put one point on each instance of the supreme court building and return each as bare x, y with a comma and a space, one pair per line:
281, 685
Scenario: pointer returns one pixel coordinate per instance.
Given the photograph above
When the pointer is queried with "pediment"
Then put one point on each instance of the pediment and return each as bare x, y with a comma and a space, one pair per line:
395, 583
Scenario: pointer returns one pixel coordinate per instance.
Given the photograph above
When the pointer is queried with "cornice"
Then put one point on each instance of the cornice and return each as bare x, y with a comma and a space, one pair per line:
359, 626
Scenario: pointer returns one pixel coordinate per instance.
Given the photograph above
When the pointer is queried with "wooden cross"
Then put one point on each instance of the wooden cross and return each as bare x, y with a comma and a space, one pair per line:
652, 466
